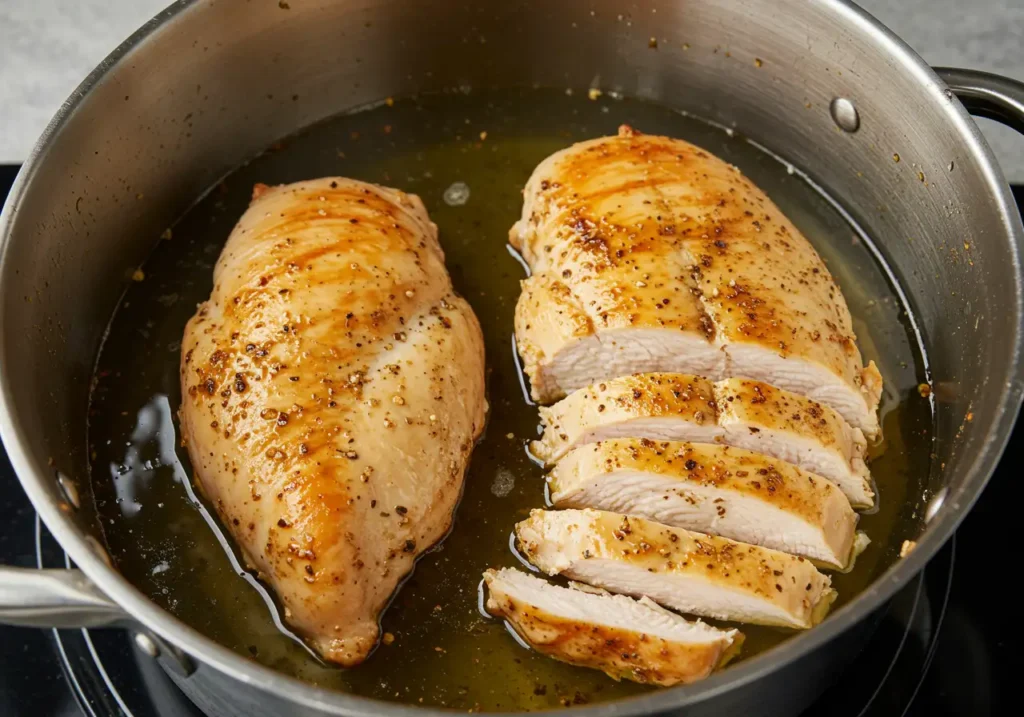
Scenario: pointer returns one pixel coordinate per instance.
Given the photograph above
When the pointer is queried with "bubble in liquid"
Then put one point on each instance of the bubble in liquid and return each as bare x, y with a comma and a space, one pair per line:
503, 483
457, 194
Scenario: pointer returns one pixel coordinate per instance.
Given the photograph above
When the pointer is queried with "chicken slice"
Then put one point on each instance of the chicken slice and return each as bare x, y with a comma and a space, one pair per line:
711, 489
625, 638
736, 412
686, 571
333, 387
649, 254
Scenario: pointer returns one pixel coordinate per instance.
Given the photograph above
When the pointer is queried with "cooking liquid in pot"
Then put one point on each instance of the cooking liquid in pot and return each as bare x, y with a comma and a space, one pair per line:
467, 154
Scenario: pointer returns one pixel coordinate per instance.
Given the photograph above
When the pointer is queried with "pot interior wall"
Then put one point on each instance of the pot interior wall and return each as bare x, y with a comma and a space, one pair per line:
221, 80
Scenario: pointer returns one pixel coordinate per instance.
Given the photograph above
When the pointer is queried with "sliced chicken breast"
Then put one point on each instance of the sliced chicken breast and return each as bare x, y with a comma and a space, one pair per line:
736, 412
711, 489
632, 639
649, 254
332, 390
690, 572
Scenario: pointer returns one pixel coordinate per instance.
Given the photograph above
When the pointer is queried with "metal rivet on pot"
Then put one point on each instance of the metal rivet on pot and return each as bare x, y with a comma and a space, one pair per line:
934, 505
70, 489
147, 644
844, 114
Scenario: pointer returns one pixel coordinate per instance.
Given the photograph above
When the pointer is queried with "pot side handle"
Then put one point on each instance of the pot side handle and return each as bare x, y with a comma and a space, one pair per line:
67, 599
987, 95
54, 598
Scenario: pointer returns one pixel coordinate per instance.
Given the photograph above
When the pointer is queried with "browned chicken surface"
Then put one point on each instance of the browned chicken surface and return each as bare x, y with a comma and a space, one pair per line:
690, 572
714, 489
711, 403
627, 639
736, 412
649, 254
332, 390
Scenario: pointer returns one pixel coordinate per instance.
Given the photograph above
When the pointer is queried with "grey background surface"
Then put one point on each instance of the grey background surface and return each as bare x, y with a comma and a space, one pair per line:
48, 46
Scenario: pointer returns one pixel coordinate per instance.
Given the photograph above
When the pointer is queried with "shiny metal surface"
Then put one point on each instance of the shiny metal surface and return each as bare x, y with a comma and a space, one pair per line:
844, 114
55, 598
987, 95
147, 644
208, 84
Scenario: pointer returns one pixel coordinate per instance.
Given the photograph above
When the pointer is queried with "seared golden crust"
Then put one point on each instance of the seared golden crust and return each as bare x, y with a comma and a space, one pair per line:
758, 403
332, 334
711, 488
646, 395
618, 652
648, 232
782, 485
693, 399
740, 412
563, 542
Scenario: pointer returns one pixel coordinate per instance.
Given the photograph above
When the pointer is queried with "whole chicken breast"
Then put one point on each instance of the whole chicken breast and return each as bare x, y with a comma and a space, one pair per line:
734, 412
332, 390
625, 638
649, 254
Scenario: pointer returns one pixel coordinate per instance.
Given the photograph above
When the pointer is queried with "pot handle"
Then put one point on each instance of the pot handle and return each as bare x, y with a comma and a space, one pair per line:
67, 599
987, 95
54, 598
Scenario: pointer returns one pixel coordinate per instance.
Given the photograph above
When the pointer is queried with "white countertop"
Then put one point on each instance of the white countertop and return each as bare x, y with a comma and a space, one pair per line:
48, 46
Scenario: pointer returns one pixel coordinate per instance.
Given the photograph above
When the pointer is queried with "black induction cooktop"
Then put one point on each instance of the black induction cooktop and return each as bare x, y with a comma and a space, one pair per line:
942, 647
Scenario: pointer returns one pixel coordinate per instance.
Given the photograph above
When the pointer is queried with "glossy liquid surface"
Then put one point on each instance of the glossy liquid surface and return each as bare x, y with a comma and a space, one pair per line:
467, 155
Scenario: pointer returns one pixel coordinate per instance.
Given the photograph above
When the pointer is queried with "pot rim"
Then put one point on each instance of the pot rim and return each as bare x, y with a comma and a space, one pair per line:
207, 651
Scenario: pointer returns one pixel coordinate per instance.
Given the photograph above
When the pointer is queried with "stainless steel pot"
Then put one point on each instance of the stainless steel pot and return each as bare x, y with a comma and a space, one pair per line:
207, 84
